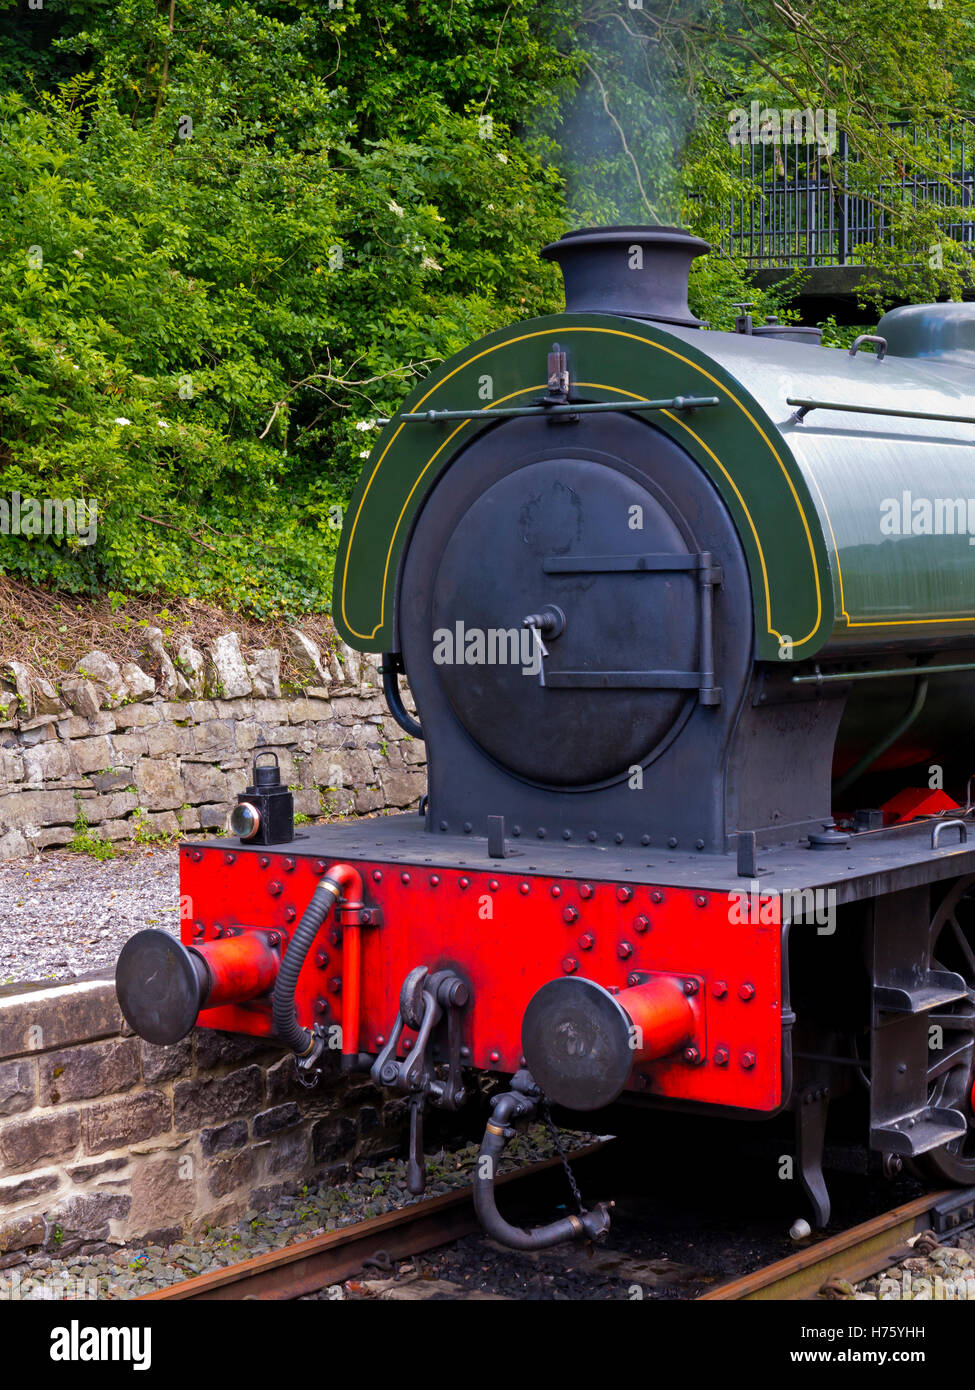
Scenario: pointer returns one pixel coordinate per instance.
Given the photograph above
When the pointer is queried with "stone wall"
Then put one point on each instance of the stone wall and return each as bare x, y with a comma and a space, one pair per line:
136, 750
105, 1138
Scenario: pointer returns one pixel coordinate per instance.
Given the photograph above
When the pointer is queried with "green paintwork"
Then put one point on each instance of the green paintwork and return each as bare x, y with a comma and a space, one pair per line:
733, 442
808, 500
887, 588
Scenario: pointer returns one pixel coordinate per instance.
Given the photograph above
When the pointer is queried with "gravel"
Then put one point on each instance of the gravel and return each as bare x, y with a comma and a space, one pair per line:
104, 1272
933, 1273
66, 914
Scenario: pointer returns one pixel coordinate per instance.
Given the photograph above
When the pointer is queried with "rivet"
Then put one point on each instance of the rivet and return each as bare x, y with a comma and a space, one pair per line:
217, 929
746, 992
335, 937
335, 984
593, 837
494, 1056
540, 832
321, 1006
570, 965
748, 1060
197, 928
698, 844
290, 913
701, 900
465, 1052
321, 959
404, 877
524, 887
274, 888
377, 875
672, 842
644, 840
719, 989
721, 1056
570, 915
289, 865
618, 837
656, 896
624, 950
380, 1039
516, 830
566, 834
196, 856
624, 894
467, 827
463, 883
641, 923
586, 891
586, 941
229, 858
443, 825
434, 880
407, 1045
493, 885
556, 891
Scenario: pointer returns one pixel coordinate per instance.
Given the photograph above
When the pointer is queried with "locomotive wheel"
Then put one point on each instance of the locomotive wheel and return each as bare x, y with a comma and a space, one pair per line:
951, 1069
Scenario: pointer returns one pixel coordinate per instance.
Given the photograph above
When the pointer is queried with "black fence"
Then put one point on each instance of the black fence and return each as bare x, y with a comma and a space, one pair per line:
799, 217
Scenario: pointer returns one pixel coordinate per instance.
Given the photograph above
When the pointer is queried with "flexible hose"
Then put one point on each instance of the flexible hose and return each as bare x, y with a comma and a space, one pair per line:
589, 1226
286, 1025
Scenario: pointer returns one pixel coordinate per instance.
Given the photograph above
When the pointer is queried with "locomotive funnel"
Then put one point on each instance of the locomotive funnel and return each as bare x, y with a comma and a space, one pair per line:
639, 272
581, 1043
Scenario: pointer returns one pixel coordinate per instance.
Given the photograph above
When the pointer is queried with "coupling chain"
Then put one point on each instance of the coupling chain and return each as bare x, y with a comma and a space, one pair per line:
570, 1176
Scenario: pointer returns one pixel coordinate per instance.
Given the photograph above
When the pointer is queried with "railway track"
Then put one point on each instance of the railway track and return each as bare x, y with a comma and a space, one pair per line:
307, 1267
854, 1254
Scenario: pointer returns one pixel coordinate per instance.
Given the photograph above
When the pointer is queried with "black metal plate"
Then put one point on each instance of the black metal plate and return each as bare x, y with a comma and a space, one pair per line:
575, 1038
158, 986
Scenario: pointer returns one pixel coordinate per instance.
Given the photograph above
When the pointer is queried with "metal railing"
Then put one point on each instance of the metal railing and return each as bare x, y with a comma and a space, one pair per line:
797, 217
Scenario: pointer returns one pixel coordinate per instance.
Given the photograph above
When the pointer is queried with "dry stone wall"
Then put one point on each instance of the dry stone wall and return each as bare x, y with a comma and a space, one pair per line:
107, 1139
165, 747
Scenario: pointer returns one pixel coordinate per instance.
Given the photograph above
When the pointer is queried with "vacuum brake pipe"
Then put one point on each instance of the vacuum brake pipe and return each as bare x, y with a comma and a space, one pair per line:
341, 881
517, 1104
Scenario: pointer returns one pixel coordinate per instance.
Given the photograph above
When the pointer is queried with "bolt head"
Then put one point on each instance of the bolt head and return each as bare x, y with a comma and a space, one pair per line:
321, 1006
656, 896
273, 939
690, 986
318, 867
624, 950
746, 991
641, 923
321, 959
719, 989
289, 865
570, 965
570, 914
748, 1060
624, 894
274, 888
230, 858
721, 1057
692, 1055
290, 914
586, 941
586, 890
335, 985
701, 900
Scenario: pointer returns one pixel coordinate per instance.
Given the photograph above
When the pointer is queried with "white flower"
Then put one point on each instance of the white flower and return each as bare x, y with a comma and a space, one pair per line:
428, 263
79, 254
503, 157
395, 207
121, 420
163, 424
365, 424
365, 453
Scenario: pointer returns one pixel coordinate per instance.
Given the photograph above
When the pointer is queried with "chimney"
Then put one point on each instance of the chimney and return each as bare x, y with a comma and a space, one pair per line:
638, 272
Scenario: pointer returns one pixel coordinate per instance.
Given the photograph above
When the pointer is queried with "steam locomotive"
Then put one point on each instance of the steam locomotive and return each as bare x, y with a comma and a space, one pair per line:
689, 621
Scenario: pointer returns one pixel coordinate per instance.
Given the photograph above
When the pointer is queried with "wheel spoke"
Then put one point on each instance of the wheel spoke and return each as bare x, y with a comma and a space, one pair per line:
966, 949
958, 1056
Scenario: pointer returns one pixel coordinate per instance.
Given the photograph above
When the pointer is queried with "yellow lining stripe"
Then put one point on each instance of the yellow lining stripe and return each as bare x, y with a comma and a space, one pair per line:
547, 333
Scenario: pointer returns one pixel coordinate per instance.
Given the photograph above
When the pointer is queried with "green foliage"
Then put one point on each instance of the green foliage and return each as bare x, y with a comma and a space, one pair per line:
88, 841
234, 234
